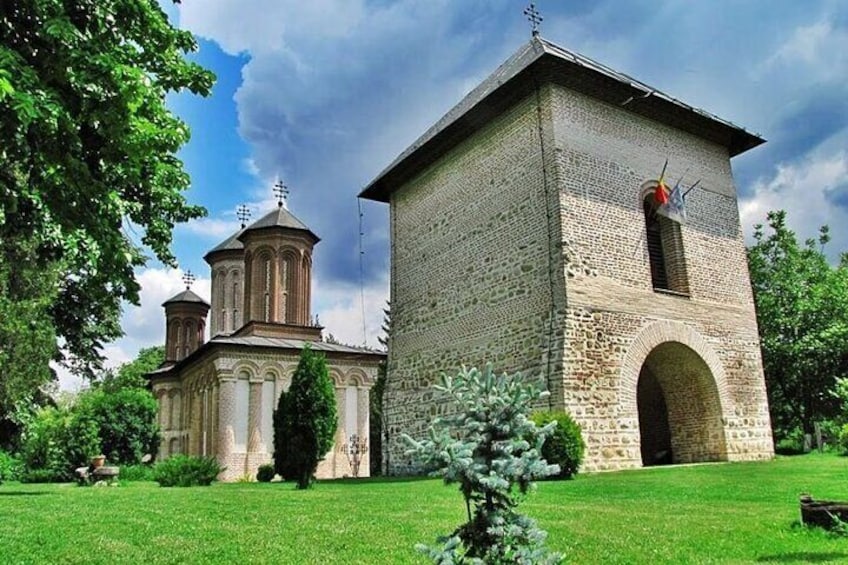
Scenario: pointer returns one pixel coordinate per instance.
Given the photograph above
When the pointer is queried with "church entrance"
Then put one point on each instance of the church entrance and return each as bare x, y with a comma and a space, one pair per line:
679, 408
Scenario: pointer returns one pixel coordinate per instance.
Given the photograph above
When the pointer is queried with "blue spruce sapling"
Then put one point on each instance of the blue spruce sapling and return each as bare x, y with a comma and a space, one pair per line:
493, 450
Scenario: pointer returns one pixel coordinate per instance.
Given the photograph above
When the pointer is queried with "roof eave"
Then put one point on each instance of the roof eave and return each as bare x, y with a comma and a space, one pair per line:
552, 66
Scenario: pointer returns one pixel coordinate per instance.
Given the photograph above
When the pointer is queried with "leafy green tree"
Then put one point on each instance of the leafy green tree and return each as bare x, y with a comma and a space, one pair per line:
132, 374
305, 420
802, 313
493, 450
57, 440
27, 335
88, 149
126, 421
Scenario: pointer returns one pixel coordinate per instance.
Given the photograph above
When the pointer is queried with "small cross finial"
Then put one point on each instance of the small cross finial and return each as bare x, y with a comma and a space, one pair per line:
281, 191
188, 279
534, 17
243, 214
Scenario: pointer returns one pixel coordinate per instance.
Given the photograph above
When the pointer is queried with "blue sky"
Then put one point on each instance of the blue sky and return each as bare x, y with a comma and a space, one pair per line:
326, 93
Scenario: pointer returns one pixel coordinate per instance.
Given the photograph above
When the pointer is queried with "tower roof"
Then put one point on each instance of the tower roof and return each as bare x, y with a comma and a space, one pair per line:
539, 61
279, 218
185, 296
232, 243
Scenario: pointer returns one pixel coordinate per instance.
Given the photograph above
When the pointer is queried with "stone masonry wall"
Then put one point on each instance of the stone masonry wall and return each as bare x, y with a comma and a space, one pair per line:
474, 279
604, 154
525, 246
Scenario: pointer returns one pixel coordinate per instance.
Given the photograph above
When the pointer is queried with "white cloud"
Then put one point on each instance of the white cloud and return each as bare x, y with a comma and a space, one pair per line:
818, 47
802, 189
212, 228
339, 308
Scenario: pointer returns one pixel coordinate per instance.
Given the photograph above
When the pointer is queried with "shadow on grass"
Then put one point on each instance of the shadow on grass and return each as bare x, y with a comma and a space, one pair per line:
804, 556
380, 480
22, 493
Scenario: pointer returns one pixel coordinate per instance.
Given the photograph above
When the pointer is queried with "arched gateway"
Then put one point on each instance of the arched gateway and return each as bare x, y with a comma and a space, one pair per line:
675, 383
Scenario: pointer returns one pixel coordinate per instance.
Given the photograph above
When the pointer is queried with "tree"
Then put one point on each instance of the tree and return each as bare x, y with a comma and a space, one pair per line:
802, 313
493, 450
305, 421
126, 421
377, 431
132, 375
87, 155
27, 335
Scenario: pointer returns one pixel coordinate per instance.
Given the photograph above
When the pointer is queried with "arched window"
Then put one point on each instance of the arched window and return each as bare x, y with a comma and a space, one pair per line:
266, 281
665, 249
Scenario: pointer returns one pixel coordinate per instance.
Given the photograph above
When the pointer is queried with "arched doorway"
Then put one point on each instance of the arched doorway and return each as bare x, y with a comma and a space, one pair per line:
680, 419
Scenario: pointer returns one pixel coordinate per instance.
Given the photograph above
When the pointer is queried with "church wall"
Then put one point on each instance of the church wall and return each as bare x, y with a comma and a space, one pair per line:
472, 279
604, 154
228, 404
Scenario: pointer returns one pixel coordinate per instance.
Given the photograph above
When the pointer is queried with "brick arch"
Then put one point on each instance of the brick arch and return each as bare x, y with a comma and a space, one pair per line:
357, 377
269, 371
337, 377
246, 366
693, 383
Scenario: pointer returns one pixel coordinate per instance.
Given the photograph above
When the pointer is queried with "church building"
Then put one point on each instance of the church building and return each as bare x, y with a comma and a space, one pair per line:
217, 398
572, 223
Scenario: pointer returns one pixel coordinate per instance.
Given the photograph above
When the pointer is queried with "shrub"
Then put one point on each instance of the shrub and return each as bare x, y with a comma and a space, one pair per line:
305, 421
136, 473
126, 422
10, 467
185, 471
565, 445
41, 476
265, 474
791, 444
56, 441
842, 440
491, 448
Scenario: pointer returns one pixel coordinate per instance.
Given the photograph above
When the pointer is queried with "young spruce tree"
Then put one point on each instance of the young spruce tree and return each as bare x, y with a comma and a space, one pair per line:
493, 450
305, 420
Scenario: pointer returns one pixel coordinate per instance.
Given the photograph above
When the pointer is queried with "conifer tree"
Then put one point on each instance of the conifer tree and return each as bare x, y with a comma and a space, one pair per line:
493, 450
305, 421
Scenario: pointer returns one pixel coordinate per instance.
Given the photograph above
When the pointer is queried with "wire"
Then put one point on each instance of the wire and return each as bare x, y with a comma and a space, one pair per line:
361, 272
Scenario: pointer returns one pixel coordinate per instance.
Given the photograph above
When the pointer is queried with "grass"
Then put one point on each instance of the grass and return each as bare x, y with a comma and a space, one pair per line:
722, 513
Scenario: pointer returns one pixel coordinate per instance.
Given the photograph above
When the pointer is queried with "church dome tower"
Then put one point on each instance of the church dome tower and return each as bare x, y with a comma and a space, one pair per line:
278, 272
185, 323
226, 263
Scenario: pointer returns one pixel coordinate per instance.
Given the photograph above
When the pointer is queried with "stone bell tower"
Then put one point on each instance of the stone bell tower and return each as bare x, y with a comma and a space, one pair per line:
185, 322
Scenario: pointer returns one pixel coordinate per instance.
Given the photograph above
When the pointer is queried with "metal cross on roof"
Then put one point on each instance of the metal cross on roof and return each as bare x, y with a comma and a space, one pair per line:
188, 279
243, 214
281, 191
534, 17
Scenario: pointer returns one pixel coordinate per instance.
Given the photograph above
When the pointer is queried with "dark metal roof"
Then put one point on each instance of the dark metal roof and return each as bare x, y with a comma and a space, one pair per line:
540, 61
286, 343
279, 218
185, 296
232, 243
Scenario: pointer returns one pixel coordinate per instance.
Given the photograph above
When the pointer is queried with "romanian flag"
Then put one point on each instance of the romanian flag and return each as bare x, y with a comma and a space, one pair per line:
661, 191
675, 208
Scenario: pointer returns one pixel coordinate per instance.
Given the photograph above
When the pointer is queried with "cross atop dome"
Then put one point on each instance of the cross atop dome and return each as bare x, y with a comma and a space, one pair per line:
534, 17
188, 279
243, 214
281, 191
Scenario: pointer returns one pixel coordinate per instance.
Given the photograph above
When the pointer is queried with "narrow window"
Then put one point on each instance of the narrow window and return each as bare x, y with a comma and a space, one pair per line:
267, 290
665, 250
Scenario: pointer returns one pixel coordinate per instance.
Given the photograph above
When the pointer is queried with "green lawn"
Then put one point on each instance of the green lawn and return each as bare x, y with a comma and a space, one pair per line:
723, 513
